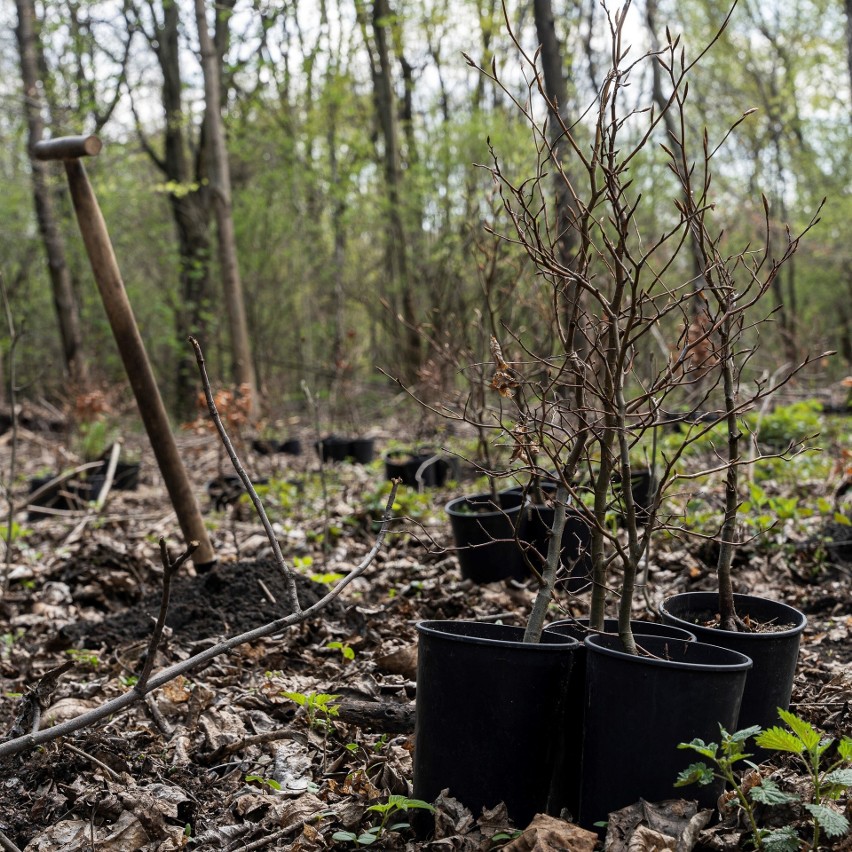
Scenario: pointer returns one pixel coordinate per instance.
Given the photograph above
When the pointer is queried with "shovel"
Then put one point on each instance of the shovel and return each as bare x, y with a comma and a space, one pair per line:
93, 229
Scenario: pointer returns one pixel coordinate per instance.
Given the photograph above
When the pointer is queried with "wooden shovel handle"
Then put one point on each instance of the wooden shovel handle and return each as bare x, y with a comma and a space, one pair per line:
67, 148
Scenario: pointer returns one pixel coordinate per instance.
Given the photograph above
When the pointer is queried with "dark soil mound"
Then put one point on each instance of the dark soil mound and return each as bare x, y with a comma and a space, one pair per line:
228, 600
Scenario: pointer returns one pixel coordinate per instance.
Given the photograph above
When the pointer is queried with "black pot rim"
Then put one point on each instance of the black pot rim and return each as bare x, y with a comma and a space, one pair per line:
796, 616
445, 630
635, 626
735, 661
450, 509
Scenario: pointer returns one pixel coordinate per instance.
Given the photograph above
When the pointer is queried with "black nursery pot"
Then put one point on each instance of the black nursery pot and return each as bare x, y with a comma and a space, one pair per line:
423, 466
291, 447
487, 703
770, 682
484, 535
362, 450
568, 777
332, 448
124, 478
576, 553
639, 708
641, 482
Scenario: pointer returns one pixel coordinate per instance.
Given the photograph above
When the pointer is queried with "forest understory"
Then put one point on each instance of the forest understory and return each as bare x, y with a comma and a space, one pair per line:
222, 758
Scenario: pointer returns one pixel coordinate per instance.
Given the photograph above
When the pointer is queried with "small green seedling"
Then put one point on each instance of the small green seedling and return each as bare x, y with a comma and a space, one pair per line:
259, 779
346, 651
319, 707
388, 809
810, 746
802, 740
84, 657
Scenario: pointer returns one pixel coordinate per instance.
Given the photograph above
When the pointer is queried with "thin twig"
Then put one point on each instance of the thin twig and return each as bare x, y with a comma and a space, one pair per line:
111, 772
289, 576
7, 844
115, 452
10, 518
169, 569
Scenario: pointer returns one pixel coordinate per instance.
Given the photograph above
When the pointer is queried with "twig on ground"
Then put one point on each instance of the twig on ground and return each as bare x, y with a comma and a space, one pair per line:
26, 741
290, 578
115, 452
10, 517
34, 701
7, 844
78, 751
169, 569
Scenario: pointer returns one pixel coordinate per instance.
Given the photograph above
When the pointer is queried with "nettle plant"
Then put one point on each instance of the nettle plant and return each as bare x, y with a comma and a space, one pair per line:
650, 307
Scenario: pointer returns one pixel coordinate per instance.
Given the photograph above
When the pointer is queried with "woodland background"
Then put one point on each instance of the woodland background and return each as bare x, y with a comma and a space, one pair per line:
361, 221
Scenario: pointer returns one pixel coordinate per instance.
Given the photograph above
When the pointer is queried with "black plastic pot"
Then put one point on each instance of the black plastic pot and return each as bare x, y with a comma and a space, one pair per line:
484, 535
535, 530
333, 448
425, 467
487, 704
124, 478
643, 490
568, 778
291, 447
62, 497
770, 682
639, 708
361, 450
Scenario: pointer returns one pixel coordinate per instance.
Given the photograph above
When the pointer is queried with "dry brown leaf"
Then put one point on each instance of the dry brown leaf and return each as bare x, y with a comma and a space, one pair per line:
550, 834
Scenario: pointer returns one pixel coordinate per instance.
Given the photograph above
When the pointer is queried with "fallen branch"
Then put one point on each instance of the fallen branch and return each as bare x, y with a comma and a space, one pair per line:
28, 741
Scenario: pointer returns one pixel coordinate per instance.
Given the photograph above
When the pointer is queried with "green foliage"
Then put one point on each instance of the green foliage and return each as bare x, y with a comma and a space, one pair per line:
14, 533
394, 805
92, 439
83, 657
788, 424
259, 779
799, 738
319, 707
346, 651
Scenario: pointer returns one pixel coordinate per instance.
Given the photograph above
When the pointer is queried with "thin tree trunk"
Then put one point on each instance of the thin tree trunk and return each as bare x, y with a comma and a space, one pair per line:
220, 185
410, 350
848, 7
556, 88
60, 277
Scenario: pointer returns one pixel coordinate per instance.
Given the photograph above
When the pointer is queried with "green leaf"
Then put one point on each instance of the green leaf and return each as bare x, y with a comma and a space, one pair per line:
366, 839
745, 733
346, 836
844, 749
839, 777
806, 732
780, 739
840, 518
782, 840
768, 793
695, 773
704, 749
832, 823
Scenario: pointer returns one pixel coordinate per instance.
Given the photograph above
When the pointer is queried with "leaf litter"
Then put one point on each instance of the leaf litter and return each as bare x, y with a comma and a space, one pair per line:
221, 759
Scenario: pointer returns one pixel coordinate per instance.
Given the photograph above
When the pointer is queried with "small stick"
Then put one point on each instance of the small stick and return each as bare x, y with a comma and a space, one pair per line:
108, 478
111, 772
169, 569
289, 577
6, 845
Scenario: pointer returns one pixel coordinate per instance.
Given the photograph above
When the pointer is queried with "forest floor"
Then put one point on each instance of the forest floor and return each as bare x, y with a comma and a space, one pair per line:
222, 759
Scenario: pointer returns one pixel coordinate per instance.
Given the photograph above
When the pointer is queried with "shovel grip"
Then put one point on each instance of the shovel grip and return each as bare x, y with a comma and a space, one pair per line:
67, 148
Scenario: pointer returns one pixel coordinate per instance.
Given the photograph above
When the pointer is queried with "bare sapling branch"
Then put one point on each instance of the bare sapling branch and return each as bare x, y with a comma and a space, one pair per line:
290, 578
170, 568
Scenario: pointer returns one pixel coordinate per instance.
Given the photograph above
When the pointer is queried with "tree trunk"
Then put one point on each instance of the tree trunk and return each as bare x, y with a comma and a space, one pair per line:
556, 89
190, 203
220, 185
409, 338
60, 277
848, 7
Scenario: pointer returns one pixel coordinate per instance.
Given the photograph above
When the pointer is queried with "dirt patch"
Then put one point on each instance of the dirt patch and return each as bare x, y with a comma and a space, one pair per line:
228, 600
